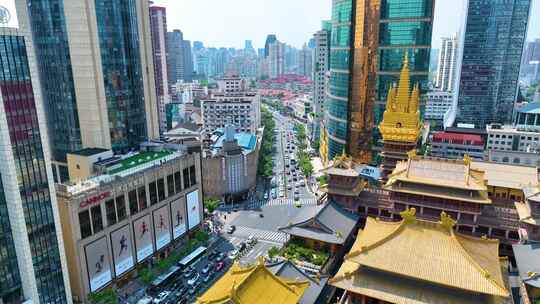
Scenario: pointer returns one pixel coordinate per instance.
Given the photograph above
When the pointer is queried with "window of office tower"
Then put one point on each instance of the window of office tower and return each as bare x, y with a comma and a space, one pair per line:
33, 182
117, 23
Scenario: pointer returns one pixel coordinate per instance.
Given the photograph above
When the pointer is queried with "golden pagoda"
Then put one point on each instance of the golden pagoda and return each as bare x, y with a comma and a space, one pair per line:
401, 123
422, 262
253, 284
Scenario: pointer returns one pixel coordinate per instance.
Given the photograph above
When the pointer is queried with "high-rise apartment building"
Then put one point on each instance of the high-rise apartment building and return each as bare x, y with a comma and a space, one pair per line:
32, 259
175, 65
305, 62
348, 118
404, 26
321, 59
493, 37
97, 74
271, 38
158, 23
276, 59
446, 70
188, 61
232, 104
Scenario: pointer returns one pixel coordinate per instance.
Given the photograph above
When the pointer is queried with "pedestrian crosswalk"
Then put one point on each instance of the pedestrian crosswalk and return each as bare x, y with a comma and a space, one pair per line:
282, 201
272, 236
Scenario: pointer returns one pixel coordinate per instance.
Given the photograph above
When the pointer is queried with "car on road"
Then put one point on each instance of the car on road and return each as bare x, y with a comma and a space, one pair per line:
208, 277
145, 300
187, 272
266, 195
241, 246
162, 296
206, 268
252, 240
221, 257
194, 279
296, 197
233, 254
219, 266
231, 229
289, 187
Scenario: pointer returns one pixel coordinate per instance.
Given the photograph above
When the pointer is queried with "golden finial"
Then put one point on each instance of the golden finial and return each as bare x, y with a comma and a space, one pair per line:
414, 101
409, 215
467, 159
411, 154
391, 99
447, 221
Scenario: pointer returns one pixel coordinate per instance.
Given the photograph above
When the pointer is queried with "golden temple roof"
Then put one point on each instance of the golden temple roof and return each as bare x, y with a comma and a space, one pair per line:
457, 174
416, 261
253, 284
401, 120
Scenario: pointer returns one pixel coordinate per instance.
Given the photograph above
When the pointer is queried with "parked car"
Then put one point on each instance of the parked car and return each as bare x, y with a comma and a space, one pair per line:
221, 257
208, 277
188, 271
219, 266
265, 195
206, 268
161, 296
231, 229
194, 279
233, 254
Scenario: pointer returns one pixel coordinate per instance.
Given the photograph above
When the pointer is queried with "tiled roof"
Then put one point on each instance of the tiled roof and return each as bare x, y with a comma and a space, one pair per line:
254, 284
328, 223
424, 253
287, 269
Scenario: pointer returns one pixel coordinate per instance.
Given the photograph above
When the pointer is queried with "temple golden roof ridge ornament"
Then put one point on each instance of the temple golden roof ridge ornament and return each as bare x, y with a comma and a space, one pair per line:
409, 215
447, 221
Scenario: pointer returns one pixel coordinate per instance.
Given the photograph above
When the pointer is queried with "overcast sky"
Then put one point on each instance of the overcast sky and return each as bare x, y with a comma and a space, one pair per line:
229, 23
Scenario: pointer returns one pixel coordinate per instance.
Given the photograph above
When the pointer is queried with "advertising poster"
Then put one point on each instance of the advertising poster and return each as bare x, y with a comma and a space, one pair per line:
97, 264
162, 227
142, 232
194, 214
121, 248
178, 215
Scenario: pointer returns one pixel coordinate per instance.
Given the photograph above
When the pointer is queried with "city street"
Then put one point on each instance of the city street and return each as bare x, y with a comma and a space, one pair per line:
281, 201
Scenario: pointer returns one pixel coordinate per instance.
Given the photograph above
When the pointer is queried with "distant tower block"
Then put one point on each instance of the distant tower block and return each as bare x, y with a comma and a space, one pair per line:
401, 123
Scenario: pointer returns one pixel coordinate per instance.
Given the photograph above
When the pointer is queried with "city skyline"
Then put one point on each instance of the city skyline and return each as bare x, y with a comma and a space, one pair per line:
186, 16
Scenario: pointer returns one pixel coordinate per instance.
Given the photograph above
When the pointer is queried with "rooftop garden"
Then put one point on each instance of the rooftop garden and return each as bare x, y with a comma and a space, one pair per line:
136, 160
297, 251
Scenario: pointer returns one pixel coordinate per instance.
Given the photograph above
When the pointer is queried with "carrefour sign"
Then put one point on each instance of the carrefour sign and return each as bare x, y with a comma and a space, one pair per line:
94, 199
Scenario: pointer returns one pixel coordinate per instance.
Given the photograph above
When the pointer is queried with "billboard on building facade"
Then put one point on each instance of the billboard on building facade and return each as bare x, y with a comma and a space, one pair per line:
194, 214
142, 232
162, 227
97, 264
178, 215
121, 249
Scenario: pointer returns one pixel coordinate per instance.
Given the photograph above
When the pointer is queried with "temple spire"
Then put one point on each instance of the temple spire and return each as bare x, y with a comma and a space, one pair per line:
404, 87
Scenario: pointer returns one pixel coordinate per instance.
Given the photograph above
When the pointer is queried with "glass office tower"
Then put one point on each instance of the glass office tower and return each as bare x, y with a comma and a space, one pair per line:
95, 62
58, 88
122, 72
348, 117
493, 43
404, 26
31, 267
